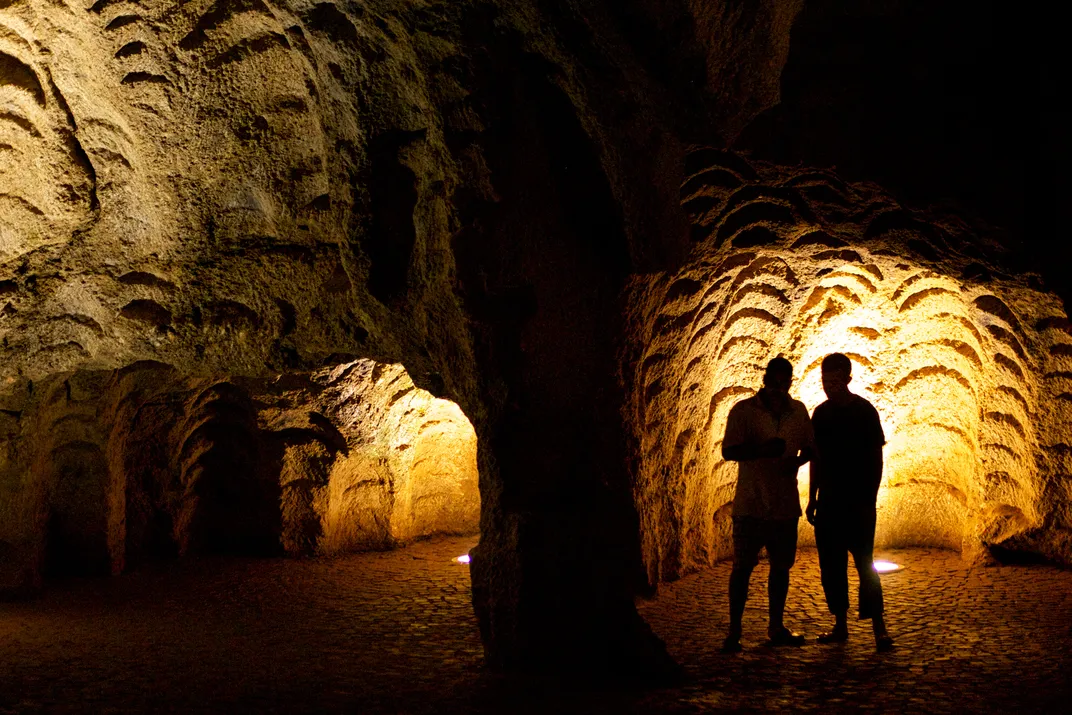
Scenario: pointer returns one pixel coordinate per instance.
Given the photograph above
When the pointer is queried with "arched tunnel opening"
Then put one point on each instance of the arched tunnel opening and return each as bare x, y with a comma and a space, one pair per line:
144, 464
967, 368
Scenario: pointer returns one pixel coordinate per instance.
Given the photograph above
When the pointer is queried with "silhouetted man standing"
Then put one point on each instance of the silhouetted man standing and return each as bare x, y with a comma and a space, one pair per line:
845, 476
769, 436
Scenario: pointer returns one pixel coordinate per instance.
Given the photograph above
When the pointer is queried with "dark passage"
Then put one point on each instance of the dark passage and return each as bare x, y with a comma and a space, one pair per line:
388, 242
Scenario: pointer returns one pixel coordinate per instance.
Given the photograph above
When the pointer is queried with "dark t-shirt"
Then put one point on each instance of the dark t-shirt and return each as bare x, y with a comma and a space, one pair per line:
849, 441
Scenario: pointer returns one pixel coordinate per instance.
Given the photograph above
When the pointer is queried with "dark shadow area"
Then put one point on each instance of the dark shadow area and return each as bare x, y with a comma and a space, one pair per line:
925, 99
75, 538
1017, 557
951, 104
230, 506
663, 38
151, 483
388, 242
541, 271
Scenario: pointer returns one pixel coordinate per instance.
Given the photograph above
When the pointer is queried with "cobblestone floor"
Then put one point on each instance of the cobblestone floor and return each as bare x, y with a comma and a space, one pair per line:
967, 639
394, 633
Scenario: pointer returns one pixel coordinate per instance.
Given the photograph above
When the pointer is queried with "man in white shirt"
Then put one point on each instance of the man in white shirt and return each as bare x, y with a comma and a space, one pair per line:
770, 437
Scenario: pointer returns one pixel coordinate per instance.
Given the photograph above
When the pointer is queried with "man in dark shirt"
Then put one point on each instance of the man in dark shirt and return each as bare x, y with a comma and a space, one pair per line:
845, 476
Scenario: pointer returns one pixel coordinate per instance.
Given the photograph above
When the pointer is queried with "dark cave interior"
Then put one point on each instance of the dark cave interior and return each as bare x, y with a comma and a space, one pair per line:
539, 247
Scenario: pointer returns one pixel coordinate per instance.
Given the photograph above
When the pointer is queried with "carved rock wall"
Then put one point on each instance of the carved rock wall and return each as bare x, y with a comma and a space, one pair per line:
241, 189
174, 170
968, 366
206, 185
107, 470
249, 192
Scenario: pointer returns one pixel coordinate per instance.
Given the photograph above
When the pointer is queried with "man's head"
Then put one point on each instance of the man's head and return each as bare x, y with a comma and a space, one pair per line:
778, 377
837, 373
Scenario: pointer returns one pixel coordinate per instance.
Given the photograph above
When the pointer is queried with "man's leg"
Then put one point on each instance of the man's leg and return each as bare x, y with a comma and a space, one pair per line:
862, 545
833, 572
739, 578
777, 594
781, 545
747, 542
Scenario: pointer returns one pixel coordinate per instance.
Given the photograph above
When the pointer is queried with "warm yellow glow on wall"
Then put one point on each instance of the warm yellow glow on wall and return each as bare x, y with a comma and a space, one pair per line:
923, 356
412, 473
969, 366
946, 365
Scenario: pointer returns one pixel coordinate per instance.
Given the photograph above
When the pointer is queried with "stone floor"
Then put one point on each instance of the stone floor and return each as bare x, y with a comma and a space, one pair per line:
394, 633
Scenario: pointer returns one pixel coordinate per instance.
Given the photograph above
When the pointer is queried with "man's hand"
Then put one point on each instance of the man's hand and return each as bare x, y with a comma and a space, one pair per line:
745, 452
774, 447
809, 512
804, 457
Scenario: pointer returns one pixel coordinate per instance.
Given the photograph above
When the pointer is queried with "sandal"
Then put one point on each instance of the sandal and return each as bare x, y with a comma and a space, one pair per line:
786, 637
834, 636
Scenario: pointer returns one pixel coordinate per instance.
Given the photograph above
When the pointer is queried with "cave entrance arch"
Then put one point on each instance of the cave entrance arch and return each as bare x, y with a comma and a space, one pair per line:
355, 457
147, 463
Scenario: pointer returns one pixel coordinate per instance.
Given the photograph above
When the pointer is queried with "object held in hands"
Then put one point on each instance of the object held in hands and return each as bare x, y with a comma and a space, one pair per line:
774, 447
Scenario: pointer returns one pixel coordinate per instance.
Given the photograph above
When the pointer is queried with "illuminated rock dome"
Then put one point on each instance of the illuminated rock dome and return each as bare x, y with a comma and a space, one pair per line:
970, 368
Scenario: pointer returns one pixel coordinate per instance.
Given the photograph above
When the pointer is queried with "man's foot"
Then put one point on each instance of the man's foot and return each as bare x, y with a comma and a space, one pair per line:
785, 637
883, 642
732, 644
840, 634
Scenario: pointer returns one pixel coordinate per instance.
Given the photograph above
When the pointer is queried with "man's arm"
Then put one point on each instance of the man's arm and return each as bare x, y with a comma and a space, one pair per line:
814, 482
878, 438
814, 476
746, 452
736, 447
807, 448
874, 467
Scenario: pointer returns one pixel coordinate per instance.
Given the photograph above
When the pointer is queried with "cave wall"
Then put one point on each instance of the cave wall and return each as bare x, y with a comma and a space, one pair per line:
105, 471
721, 61
206, 186
243, 190
856, 104
954, 104
246, 193
191, 163
967, 364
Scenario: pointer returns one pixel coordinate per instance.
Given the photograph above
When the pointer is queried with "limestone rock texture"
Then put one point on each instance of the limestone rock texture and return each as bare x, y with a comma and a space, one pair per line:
174, 172
967, 364
202, 186
209, 207
272, 270
119, 468
727, 56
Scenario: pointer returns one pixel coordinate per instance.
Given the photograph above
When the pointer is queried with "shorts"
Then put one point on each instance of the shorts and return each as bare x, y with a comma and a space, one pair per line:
779, 536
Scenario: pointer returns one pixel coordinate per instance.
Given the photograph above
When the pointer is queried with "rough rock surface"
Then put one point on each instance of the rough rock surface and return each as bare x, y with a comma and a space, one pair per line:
198, 182
968, 366
247, 189
249, 192
108, 470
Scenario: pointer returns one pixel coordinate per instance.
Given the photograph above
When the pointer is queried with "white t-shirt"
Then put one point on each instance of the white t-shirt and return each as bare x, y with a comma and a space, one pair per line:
767, 488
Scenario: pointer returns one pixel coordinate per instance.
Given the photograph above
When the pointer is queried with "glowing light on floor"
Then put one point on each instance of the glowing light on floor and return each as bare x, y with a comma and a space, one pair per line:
464, 559
887, 566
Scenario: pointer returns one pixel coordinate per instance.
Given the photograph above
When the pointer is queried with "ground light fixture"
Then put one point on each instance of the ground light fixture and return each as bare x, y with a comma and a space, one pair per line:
463, 559
887, 566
